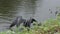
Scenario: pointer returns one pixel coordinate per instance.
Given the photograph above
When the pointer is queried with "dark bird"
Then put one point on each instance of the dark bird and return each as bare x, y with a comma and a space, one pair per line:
56, 13
50, 10
19, 20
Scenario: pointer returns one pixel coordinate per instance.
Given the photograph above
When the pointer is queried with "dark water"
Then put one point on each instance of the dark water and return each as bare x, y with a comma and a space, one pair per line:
39, 9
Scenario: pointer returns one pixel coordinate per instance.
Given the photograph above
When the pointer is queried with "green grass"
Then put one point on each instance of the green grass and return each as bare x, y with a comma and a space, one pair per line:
50, 26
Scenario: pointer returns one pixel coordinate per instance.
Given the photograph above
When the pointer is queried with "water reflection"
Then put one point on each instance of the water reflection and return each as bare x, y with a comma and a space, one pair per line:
11, 8
27, 9
38, 9
8, 8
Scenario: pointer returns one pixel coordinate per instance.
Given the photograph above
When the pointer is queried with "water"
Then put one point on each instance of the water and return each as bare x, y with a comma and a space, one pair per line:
38, 9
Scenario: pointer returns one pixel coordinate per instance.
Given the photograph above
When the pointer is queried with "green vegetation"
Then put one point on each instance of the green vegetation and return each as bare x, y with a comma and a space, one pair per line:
50, 26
